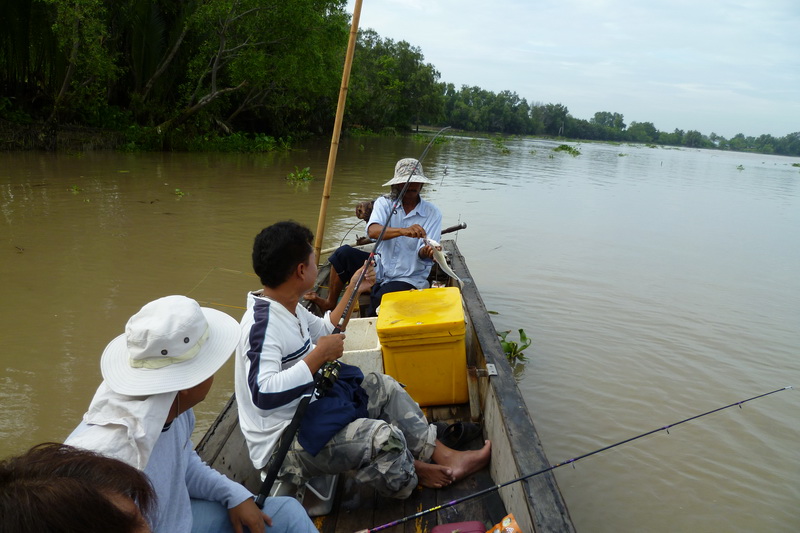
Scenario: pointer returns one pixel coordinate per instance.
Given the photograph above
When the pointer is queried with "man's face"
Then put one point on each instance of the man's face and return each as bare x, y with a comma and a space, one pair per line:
364, 210
310, 271
413, 190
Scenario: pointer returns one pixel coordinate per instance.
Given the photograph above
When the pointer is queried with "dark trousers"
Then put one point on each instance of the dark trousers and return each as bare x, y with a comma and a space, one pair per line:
346, 260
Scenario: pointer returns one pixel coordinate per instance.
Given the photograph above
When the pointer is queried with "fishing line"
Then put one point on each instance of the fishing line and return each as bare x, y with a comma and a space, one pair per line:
567, 462
346, 313
348, 232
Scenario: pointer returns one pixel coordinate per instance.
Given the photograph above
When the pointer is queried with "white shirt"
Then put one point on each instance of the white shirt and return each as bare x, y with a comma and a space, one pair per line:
270, 375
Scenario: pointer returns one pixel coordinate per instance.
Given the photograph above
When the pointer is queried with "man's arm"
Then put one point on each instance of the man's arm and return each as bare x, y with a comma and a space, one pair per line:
381, 215
414, 231
206, 483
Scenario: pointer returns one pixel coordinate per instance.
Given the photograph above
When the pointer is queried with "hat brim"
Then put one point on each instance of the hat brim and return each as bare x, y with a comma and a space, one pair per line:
416, 178
224, 334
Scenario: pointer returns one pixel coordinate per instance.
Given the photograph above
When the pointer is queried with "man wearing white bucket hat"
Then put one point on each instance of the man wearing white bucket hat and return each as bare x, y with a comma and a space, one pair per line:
402, 263
154, 374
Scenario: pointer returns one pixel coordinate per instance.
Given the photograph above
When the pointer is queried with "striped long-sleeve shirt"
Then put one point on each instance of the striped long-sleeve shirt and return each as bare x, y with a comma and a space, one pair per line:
270, 375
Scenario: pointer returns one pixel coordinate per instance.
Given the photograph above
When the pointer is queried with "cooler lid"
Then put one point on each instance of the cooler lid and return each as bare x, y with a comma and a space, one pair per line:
422, 313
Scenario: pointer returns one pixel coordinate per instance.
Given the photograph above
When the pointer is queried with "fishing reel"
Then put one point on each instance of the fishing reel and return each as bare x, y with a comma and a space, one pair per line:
327, 378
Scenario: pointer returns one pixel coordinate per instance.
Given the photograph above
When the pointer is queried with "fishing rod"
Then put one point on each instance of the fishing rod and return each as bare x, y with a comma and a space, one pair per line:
563, 463
347, 309
323, 383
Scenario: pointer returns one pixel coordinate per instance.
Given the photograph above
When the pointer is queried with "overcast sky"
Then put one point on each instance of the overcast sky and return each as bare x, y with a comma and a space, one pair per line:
726, 67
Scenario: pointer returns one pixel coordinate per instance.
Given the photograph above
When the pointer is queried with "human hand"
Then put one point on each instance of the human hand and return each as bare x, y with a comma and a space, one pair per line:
415, 231
330, 347
248, 514
426, 252
369, 278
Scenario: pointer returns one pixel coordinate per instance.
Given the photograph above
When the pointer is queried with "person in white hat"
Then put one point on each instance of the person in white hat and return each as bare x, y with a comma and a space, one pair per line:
404, 260
141, 414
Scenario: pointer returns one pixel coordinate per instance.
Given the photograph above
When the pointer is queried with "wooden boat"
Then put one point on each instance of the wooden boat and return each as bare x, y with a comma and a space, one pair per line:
494, 400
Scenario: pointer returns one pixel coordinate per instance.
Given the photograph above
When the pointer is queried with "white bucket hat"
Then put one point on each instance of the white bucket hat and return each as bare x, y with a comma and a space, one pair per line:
404, 168
171, 344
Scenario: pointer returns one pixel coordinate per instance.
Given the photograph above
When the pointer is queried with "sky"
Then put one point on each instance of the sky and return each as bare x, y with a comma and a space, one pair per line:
723, 67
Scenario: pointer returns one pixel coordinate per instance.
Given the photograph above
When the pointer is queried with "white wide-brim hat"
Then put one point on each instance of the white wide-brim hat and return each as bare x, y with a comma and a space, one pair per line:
171, 344
404, 168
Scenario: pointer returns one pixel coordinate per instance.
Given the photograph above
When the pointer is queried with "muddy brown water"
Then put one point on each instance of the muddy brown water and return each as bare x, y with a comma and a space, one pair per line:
656, 284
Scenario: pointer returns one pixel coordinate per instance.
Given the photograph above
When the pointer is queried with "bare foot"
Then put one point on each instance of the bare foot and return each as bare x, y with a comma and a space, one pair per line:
464, 463
433, 476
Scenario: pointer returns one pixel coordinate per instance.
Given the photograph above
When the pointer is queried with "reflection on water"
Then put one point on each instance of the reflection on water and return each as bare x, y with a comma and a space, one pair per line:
656, 284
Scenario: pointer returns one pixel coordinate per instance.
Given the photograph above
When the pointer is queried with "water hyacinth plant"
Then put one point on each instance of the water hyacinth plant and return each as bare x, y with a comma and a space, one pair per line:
514, 350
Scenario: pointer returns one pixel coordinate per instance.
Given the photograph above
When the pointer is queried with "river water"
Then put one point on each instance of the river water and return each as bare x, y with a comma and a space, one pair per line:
656, 284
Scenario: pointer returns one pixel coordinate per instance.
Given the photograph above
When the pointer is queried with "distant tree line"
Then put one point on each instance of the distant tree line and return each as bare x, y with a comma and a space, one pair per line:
161, 72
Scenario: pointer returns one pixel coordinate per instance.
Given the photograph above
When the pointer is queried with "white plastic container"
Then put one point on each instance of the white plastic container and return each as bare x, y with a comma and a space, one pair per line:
361, 345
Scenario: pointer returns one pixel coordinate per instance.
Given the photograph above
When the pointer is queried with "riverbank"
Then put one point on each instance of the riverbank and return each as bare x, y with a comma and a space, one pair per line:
15, 136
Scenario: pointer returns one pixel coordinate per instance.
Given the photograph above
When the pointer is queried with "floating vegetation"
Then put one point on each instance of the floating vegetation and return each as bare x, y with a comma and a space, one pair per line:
740, 167
300, 175
500, 144
179, 193
75, 189
425, 139
571, 150
512, 349
622, 155
796, 164
651, 145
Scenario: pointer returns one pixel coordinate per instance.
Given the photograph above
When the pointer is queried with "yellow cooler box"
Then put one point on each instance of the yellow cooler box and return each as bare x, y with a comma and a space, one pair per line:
422, 337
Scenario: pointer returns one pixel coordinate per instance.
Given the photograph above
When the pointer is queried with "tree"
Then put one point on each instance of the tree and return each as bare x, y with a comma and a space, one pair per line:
392, 86
278, 57
554, 118
693, 139
644, 132
609, 120
81, 33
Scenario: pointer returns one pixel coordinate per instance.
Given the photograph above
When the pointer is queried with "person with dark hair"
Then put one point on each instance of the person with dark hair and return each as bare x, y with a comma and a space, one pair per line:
366, 424
153, 374
60, 489
403, 259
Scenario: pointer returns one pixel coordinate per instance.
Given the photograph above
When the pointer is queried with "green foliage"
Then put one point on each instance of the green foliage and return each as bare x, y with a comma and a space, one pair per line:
179, 193
300, 175
740, 167
82, 35
512, 349
237, 142
239, 75
571, 150
609, 120
391, 85
75, 189
500, 145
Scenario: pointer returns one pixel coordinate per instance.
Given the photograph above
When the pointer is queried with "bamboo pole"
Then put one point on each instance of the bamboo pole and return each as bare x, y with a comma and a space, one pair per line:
337, 129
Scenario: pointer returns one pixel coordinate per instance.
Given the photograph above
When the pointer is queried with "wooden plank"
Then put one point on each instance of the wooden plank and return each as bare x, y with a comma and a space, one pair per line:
420, 500
356, 505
